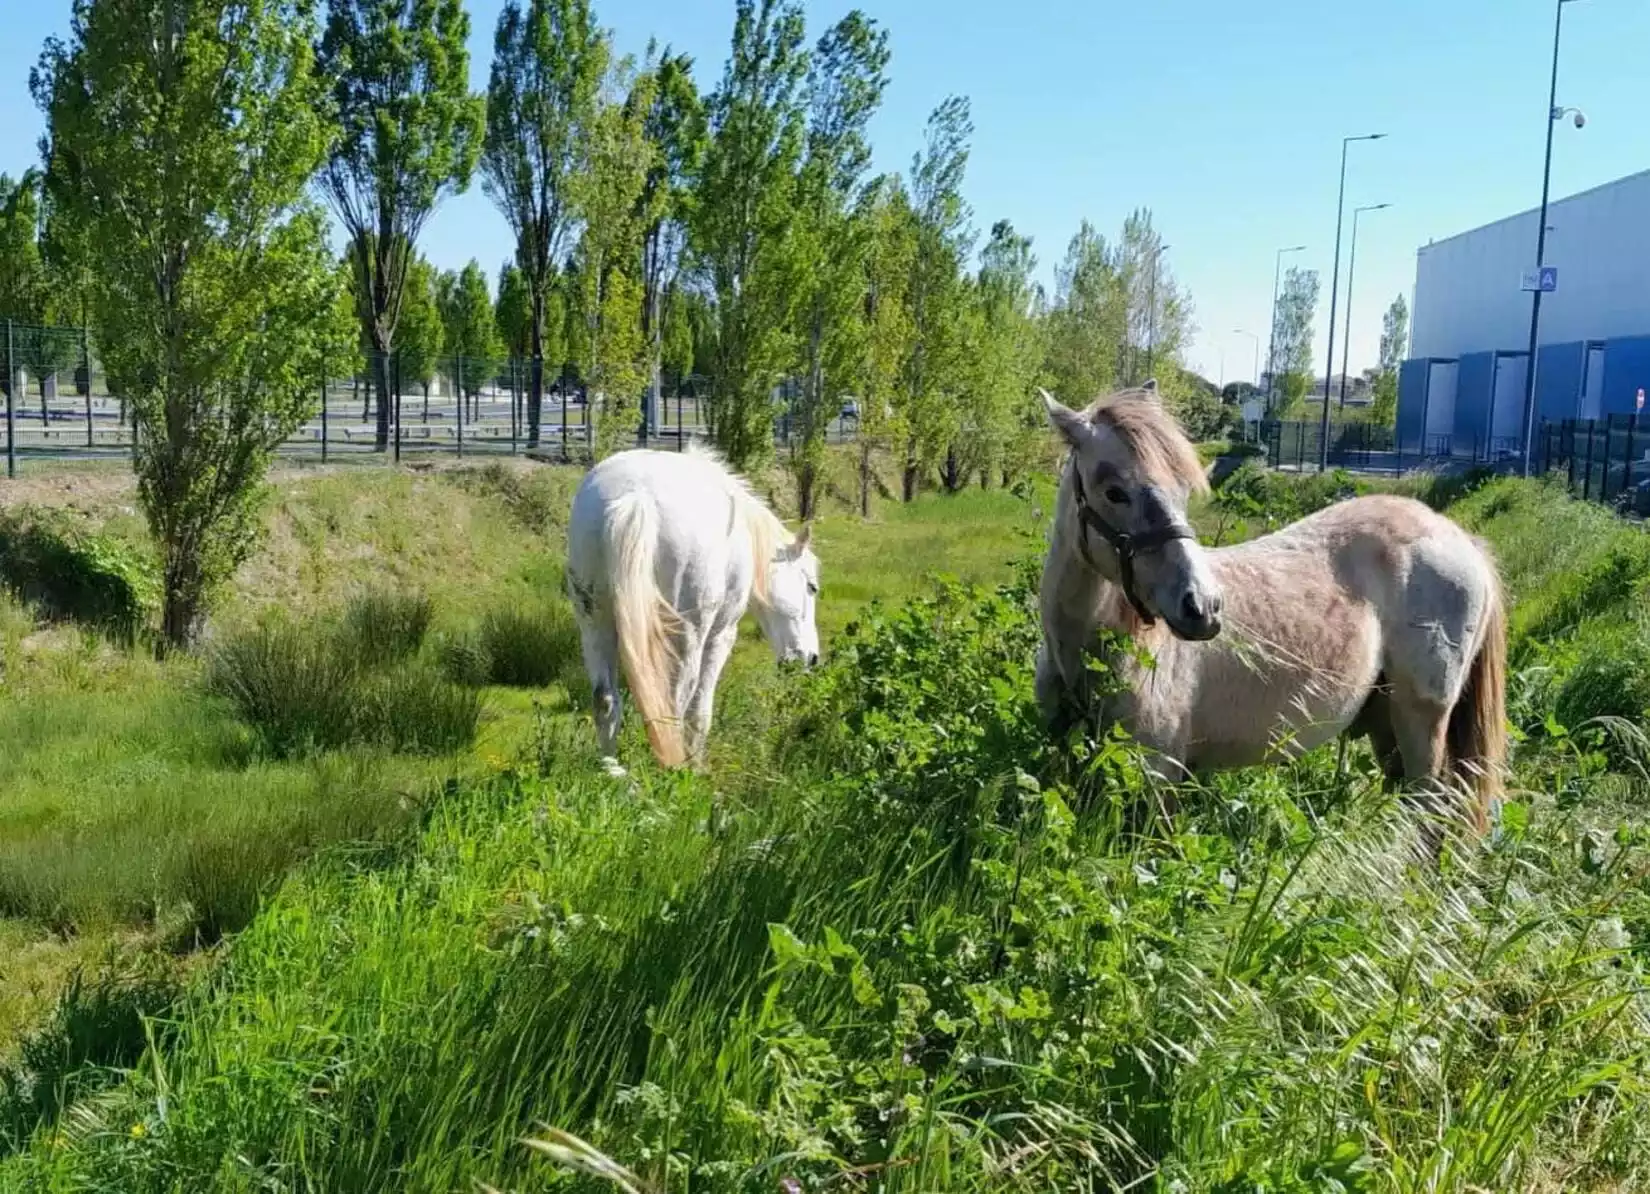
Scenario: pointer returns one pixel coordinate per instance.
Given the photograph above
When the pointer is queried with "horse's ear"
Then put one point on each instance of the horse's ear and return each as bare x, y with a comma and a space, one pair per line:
1150, 386
803, 539
1074, 427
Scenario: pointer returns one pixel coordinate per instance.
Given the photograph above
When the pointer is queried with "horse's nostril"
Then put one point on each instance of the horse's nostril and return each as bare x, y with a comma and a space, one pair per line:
813, 659
1192, 607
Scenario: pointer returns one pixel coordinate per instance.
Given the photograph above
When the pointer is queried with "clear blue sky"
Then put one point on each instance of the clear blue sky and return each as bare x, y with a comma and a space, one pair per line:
1225, 119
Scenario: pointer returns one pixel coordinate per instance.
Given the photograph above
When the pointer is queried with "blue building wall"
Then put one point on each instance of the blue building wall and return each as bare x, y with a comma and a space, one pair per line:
1474, 387
1412, 405
1626, 370
1558, 381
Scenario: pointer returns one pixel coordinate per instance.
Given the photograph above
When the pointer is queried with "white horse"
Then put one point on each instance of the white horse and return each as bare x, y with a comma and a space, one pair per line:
1375, 616
665, 552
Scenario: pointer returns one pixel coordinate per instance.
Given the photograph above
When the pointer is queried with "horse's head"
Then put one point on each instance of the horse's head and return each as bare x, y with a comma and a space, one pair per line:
1132, 473
791, 596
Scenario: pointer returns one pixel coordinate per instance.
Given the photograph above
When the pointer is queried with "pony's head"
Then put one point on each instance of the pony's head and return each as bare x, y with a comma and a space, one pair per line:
1132, 472
787, 595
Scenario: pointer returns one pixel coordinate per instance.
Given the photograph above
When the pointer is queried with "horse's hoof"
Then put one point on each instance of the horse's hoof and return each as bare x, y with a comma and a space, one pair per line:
613, 769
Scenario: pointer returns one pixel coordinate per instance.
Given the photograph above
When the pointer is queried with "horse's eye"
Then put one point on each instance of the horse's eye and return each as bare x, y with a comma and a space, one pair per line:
1116, 495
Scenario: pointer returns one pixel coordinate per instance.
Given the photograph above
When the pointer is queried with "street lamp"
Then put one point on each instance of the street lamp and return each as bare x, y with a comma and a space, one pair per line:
1256, 339
1334, 288
1151, 302
1351, 269
1272, 349
1554, 115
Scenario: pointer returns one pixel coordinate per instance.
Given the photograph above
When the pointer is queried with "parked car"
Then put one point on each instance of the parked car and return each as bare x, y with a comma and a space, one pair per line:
850, 409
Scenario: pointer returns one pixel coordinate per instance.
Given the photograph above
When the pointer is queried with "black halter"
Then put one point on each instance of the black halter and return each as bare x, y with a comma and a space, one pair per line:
1126, 546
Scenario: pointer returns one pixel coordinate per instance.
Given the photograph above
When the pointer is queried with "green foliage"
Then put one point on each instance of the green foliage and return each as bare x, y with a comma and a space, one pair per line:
469, 333
420, 333
409, 134
1253, 499
1292, 350
304, 690
68, 573
220, 347
1394, 342
384, 626
548, 64
24, 287
522, 644
742, 217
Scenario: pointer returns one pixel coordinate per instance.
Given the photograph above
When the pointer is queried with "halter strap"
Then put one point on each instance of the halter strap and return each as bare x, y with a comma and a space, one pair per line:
1126, 546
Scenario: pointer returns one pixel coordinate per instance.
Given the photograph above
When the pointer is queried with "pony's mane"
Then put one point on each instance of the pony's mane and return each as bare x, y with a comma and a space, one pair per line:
1152, 435
767, 534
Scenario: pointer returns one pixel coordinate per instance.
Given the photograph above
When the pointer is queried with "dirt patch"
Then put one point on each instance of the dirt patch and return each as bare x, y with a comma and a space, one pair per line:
89, 489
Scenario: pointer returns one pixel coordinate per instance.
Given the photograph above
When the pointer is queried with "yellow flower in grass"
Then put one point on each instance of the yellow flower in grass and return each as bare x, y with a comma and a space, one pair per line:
137, 1131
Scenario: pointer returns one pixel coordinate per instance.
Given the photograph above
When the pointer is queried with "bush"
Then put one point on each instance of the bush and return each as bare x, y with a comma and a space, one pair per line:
301, 695
530, 646
71, 575
384, 626
1610, 679
412, 710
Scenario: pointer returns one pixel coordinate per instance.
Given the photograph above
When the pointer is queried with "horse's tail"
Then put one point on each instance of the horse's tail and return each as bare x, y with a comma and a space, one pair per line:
644, 621
1477, 733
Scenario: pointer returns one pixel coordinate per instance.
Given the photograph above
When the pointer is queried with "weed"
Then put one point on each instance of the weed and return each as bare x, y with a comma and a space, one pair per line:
384, 626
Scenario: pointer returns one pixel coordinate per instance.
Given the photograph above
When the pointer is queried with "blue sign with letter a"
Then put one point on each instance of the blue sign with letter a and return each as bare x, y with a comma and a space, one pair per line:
1549, 279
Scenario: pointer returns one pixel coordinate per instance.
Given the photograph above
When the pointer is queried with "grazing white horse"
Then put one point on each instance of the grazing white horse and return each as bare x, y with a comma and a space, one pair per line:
665, 552
1377, 616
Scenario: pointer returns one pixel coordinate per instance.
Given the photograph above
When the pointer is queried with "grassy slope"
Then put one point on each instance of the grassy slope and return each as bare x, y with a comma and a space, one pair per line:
592, 955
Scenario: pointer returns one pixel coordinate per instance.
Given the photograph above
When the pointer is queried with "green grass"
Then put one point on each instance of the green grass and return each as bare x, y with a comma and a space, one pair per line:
892, 941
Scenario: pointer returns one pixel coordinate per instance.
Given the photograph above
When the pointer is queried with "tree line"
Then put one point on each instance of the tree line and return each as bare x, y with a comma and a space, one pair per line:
195, 149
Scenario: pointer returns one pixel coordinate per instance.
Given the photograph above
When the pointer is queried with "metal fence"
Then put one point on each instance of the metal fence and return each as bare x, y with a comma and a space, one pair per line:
1603, 460
61, 404
1366, 447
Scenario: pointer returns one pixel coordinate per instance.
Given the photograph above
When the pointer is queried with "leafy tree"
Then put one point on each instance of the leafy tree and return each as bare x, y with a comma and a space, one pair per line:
1394, 339
1158, 321
420, 336
741, 221
611, 350
410, 133
936, 370
182, 140
548, 64
888, 330
513, 312
24, 288
846, 78
1297, 304
675, 127
1001, 422
1088, 323
469, 334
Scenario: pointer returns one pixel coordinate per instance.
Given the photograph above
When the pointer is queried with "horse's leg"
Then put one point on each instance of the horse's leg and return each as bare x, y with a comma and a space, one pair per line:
718, 647
600, 645
690, 651
1060, 703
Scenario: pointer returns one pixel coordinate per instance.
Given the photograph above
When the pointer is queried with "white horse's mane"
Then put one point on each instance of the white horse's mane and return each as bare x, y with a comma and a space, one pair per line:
767, 533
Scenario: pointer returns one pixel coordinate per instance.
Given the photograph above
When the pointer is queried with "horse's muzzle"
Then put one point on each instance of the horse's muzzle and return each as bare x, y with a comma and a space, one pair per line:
1198, 618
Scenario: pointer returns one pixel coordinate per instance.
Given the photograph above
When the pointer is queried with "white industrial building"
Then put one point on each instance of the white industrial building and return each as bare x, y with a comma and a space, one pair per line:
1461, 392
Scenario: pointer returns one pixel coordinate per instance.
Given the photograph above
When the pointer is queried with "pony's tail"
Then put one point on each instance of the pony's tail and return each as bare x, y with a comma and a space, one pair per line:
644, 621
1477, 733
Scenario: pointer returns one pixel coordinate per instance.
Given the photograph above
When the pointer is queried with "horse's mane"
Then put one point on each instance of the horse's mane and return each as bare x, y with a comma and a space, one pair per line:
767, 534
1152, 435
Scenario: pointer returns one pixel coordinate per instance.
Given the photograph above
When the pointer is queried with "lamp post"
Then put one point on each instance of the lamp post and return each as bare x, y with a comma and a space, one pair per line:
1554, 115
1151, 314
1334, 288
1272, 348
1256, 339
1351, 270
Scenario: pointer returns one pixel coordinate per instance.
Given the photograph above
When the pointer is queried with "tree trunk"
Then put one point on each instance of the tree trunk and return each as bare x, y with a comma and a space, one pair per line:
184, 601
908, 477
864, 477
535, 379
381, 374
953, 471
807, 480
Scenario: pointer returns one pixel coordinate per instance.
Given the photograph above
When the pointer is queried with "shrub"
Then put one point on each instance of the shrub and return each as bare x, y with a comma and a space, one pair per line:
296, 690
1610, 679
71, 575
413, 710
464, 659
384, 626
302, 695
530, 646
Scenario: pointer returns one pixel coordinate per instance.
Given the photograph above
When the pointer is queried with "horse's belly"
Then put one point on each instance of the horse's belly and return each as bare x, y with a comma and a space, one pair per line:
1248, 717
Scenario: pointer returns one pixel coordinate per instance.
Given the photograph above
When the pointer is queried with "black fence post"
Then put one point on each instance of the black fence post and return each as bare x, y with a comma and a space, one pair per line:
1587, 479
515, 393
395, 364
86, 364
11, 406
458, 385
323, 408
1627, 455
